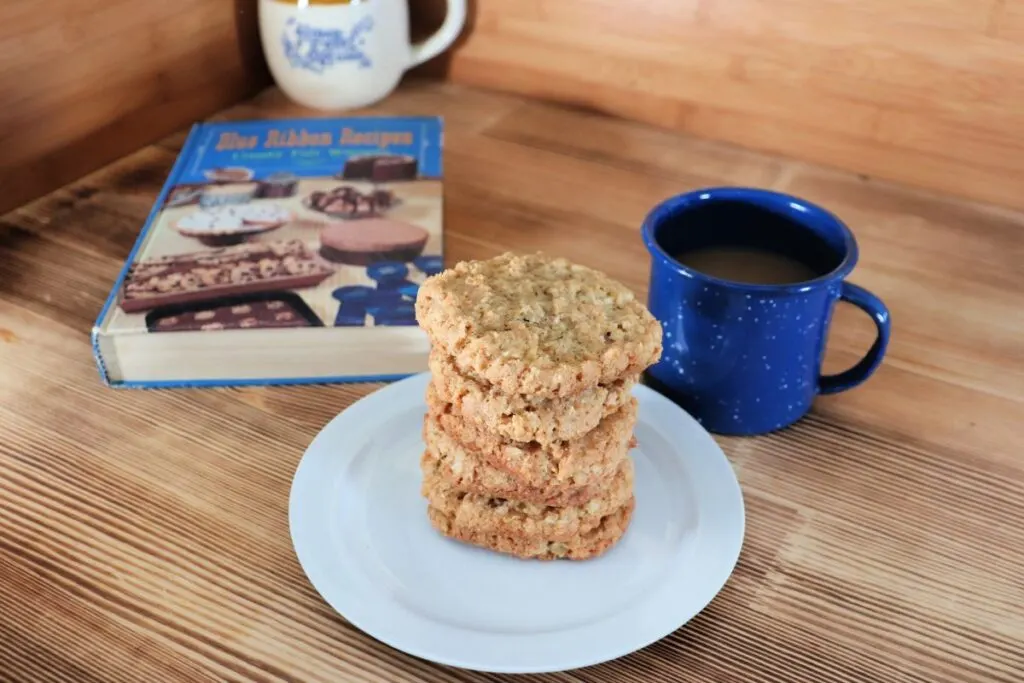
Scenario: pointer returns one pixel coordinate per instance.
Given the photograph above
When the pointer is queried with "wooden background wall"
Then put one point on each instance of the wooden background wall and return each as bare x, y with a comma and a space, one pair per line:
927, 92
83, 82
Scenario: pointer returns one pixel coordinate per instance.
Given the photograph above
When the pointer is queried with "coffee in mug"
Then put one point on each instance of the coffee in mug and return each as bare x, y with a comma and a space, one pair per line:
748, 265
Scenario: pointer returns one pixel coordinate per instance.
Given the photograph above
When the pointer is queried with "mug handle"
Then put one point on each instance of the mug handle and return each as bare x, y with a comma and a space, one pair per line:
454, 20
873, 306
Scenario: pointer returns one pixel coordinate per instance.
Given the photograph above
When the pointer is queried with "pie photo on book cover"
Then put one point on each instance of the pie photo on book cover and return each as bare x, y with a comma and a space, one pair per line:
278, 224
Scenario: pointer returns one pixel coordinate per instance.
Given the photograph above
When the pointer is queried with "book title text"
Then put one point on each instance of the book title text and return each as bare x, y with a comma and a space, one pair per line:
290, 137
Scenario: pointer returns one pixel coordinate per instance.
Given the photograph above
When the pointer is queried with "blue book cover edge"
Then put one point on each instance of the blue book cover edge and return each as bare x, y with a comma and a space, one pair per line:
158, 205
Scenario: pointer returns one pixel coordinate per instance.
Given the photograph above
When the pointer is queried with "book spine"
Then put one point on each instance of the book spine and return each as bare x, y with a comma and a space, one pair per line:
281, 381
179, 163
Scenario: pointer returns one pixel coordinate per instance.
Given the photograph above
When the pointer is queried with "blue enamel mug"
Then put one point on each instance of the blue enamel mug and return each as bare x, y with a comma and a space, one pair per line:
741, 356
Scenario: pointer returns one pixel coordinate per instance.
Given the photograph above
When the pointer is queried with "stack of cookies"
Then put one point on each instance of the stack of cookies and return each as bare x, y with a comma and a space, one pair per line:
530, 412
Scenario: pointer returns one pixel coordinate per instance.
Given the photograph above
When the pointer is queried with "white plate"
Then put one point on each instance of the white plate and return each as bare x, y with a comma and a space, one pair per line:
360, 529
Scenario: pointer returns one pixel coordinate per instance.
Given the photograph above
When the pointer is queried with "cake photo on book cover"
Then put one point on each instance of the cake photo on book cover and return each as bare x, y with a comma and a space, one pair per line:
282, 251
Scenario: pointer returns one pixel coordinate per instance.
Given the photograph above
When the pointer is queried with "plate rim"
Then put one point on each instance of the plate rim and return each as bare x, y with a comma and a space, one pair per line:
305, 555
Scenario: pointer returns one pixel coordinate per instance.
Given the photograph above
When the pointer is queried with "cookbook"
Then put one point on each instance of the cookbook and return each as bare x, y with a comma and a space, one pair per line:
281, 251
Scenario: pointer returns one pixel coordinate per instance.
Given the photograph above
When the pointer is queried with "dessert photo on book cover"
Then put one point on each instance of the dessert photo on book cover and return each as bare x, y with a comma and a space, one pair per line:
283, 224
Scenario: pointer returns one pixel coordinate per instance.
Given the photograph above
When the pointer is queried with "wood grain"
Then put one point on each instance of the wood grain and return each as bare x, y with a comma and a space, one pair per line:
925, 93
87, 81
143, 534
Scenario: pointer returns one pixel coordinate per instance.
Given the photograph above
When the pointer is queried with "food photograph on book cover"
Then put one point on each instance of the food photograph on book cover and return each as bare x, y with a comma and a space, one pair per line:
256, 236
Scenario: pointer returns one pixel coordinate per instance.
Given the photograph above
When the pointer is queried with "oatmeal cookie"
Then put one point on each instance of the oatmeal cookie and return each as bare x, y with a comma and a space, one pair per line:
528, 521
593, 543
559, 466
467, 473
529, 324
526, 418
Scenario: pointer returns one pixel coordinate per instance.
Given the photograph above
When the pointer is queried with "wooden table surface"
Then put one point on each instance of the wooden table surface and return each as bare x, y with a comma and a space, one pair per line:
144, 534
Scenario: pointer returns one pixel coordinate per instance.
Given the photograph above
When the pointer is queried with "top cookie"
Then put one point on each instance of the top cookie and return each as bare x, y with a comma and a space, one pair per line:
530, 324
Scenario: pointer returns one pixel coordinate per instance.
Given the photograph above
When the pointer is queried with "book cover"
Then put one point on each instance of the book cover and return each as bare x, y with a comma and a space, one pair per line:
273, 243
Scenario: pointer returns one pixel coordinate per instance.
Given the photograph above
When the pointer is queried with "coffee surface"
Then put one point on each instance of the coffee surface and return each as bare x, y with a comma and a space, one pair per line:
747, 265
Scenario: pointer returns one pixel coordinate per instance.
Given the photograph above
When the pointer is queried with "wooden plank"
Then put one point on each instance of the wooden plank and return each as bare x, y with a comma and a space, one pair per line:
86, 82
872, 88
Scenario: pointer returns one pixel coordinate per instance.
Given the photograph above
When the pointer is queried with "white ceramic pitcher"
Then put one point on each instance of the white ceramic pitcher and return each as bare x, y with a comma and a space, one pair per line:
341, 54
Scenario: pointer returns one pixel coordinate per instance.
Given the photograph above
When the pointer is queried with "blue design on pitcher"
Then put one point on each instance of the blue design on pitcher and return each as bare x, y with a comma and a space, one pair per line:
316, 49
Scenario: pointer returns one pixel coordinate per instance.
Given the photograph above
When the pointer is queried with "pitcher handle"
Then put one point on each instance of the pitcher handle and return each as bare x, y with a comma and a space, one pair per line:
454, 20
